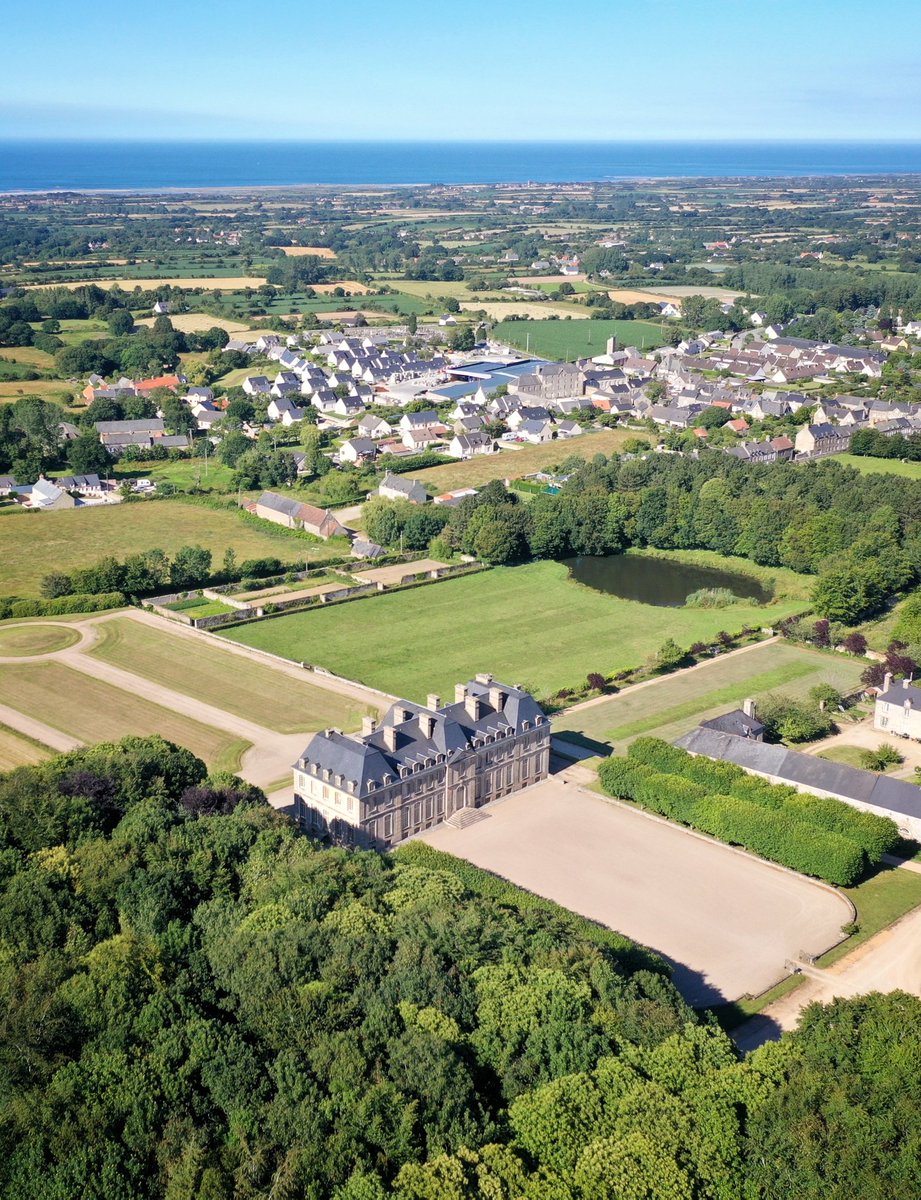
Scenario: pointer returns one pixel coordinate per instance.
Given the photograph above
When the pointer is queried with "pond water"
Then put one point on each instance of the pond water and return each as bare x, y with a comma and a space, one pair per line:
664, 582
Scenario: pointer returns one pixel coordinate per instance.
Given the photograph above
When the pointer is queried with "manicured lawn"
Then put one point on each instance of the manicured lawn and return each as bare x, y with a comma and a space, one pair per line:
679, 702
881, 466
204, 670
880, 900
93, 711
851, 756
512, 464
184, 473
19, 751
529, 624
200, 607
34, 544
577, 339
24, 640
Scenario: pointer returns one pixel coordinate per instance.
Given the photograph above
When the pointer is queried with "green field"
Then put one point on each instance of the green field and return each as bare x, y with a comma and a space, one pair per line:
577, 339
230, 681
880, 466
23, 641
93, 711
677, 703
529, 624
183, 473
34, 544
19, 751
512, 464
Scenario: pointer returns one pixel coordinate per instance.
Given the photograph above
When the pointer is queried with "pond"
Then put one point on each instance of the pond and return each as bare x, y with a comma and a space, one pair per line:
664, 582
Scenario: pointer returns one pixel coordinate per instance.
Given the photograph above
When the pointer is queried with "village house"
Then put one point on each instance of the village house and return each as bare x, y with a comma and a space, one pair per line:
374, 427
43, 495
282, 510
423, 765
397, 487
357, 450
466, 445
812, 441
898, 708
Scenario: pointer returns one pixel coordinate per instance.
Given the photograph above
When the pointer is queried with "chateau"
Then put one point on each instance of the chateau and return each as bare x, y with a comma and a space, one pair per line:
422, 764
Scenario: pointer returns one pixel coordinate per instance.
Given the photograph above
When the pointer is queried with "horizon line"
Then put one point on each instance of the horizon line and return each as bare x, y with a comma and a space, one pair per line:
467, 141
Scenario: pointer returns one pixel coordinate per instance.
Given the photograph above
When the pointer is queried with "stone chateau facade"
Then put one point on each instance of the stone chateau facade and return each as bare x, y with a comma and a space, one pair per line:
422, 765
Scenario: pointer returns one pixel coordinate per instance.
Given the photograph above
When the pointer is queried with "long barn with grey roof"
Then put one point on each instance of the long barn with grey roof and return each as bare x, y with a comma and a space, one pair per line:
894, 798
422, 765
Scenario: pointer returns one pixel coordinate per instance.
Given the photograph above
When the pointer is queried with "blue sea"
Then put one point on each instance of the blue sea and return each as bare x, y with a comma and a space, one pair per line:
37, 166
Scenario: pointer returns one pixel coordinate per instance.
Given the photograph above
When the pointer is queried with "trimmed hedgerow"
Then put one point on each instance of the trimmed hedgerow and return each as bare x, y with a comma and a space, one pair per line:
815, 835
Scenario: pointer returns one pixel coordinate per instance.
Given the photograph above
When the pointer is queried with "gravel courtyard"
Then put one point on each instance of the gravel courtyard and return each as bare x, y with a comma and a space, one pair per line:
727, 922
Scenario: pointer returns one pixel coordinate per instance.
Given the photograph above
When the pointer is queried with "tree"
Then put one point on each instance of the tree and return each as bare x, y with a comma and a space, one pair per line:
191, 565
120, 322
176, 414
669, 656
412, 324
86, 455
463, 339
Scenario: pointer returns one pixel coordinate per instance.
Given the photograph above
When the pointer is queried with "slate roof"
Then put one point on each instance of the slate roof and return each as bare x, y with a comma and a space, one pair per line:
807, 770
736, 722
424, 736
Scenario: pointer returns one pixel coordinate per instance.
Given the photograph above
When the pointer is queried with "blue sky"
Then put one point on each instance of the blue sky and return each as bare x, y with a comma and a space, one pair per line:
480, 69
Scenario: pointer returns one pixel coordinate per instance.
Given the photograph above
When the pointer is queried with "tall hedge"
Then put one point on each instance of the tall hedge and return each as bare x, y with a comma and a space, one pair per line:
813, 834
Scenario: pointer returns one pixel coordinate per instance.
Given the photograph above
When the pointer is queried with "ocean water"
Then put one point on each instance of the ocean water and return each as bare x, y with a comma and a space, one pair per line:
49, 165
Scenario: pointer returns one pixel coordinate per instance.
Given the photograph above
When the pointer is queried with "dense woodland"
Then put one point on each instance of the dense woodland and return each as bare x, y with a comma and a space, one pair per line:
199, 1002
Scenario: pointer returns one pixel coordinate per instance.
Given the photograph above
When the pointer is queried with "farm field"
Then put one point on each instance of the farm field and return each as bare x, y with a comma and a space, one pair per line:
434, 288
446, 632
880, 466
304, 251
18, 751
687, 289
678, 703
512, 464
640, 296
198, 323
93, 711
348, 285
59, 390
33, 545
204, 670
570, 339
28, 356
223, 283
501, 310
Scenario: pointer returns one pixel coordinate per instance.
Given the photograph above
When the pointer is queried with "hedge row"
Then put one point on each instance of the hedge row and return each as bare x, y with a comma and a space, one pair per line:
875, 835
85, 603
774, 834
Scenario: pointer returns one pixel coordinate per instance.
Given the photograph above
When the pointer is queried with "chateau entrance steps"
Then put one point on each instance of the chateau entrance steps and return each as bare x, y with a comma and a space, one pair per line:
463, 817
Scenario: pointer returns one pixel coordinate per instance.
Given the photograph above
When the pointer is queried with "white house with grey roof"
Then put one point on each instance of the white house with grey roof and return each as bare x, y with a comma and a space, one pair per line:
422, 765
898, 708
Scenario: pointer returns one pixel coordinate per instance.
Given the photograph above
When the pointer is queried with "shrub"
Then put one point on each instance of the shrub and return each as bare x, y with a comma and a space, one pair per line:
882, 757
712, 598
80, 603
855, 643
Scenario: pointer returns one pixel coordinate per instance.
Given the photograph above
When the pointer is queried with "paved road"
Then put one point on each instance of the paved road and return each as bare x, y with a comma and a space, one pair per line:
726, 920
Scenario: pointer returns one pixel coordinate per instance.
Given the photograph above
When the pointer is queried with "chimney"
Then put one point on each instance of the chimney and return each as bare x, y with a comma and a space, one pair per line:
460, 693
390, 737
368, 726
433, 702
887, 681
484, 678
472, 705
906, 683
497, 698
748, 707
